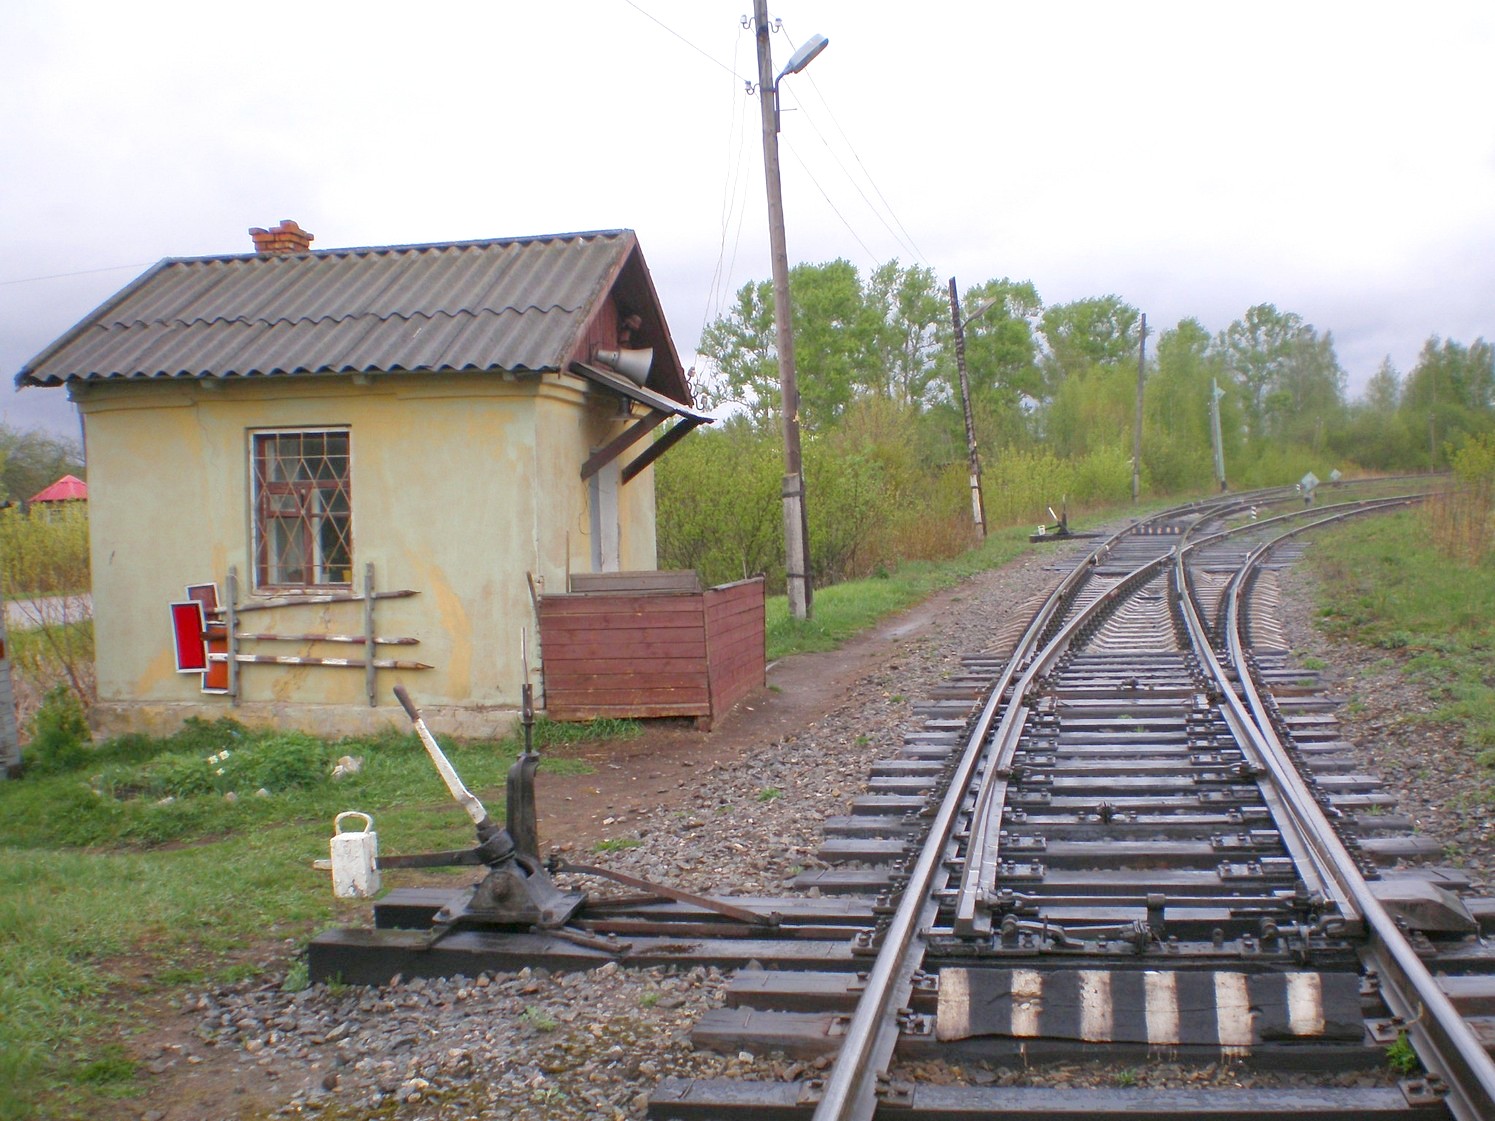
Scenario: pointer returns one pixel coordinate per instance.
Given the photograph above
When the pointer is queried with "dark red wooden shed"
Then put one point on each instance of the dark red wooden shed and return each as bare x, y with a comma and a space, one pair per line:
650, 644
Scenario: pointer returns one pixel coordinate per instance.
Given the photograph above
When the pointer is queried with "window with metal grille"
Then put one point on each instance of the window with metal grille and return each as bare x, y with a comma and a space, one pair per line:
303, 524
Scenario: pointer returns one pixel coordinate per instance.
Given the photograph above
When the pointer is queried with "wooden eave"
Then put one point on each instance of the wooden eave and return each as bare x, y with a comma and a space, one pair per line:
659, 409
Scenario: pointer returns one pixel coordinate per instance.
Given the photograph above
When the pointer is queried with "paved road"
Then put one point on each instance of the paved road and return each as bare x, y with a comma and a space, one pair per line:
24, 614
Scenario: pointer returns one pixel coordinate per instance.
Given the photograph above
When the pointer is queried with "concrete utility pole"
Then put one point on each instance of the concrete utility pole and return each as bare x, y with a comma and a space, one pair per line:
796, 524
1137, 430
1214, 426
978, 506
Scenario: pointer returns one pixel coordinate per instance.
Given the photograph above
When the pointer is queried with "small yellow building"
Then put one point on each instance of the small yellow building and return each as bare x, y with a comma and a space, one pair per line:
364, 464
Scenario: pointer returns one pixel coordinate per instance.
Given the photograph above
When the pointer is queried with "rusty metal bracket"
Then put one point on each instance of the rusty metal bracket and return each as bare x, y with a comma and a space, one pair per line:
705, 902
607, 943
1426, 1091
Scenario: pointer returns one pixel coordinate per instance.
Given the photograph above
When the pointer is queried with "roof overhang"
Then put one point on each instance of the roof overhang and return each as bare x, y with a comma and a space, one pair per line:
660, 408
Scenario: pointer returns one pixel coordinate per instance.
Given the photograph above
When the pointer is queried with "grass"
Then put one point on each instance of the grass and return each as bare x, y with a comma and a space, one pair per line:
616, 844
109, 901
538, 1019
842, 611
111, 895
1385, 586
1401, 1058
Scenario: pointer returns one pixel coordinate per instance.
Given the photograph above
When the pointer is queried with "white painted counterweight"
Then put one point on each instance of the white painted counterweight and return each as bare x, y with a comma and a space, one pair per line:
355, 855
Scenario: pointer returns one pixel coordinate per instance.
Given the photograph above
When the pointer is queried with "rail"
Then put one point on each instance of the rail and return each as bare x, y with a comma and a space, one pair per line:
871, 1033
1442, 1038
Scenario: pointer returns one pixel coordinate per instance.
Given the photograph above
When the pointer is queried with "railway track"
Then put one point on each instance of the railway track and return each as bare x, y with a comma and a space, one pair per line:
1134, 834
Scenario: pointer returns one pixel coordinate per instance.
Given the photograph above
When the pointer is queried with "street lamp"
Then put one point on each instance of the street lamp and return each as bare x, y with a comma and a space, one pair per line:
978, 506
796, 524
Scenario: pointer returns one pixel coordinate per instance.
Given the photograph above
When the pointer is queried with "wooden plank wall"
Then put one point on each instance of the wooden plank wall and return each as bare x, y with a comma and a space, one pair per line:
652, 654
735, 642
624, 655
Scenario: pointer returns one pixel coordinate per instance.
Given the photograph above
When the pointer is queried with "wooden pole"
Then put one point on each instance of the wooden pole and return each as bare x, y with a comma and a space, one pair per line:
312, 600
230, 624
306, 660
796, 523
369, 671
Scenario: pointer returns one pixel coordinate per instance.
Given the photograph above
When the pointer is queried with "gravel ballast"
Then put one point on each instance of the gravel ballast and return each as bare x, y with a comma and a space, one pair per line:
592, 1045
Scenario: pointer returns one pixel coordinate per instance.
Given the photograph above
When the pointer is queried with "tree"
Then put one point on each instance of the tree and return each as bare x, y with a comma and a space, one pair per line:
1375, 433
1001, 348
1091, 412
1309, 395
32, 460
1451, 391
1288, 375
45, 578
1254, 348
1083, 334
1450, 373
1384, 390
741, 352
830, 338
718, 496
1178, 449
830, 345
910, 319
1090, 373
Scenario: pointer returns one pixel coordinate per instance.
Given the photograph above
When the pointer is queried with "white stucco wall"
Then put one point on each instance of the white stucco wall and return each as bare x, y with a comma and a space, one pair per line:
461, 484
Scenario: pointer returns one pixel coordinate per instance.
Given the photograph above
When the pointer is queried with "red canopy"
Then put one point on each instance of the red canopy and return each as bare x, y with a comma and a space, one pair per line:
64, 489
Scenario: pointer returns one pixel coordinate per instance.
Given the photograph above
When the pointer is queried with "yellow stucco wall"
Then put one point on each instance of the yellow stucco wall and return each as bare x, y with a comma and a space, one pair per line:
461, 484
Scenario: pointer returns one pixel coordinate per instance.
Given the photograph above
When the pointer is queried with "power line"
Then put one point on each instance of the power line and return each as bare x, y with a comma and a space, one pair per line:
912, 245
871, 256
715, 296
736, 131
908, 247
871, 181
80, 272
700, 51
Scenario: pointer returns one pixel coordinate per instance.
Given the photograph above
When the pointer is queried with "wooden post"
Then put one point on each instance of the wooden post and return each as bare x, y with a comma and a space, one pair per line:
370, 668
1137, 431
231, 636
796, 521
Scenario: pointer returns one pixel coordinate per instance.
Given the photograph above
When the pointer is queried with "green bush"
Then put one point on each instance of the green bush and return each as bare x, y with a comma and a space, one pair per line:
43, 574
281, 763
178, 776
59, 734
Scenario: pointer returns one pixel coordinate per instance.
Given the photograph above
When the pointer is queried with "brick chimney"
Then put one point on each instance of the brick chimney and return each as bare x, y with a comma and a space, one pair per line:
284, 239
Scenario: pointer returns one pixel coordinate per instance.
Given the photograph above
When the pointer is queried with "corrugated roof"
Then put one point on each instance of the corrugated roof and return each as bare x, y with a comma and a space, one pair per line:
515, 304
66, 489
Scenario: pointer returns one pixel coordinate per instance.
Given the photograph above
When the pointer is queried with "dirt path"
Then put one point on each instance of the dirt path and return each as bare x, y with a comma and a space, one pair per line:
657, 768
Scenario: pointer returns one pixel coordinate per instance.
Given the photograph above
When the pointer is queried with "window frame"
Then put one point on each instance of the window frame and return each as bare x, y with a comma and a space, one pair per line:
262, 520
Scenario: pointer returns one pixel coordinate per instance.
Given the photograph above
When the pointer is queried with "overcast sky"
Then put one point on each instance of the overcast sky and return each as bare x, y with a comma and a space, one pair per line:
1334, 159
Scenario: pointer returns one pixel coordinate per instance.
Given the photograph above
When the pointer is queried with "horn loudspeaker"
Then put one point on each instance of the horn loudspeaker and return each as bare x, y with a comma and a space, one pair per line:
632, 364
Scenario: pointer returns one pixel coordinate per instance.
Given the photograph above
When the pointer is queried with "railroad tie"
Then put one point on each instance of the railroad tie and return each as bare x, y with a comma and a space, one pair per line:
1233, 1011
